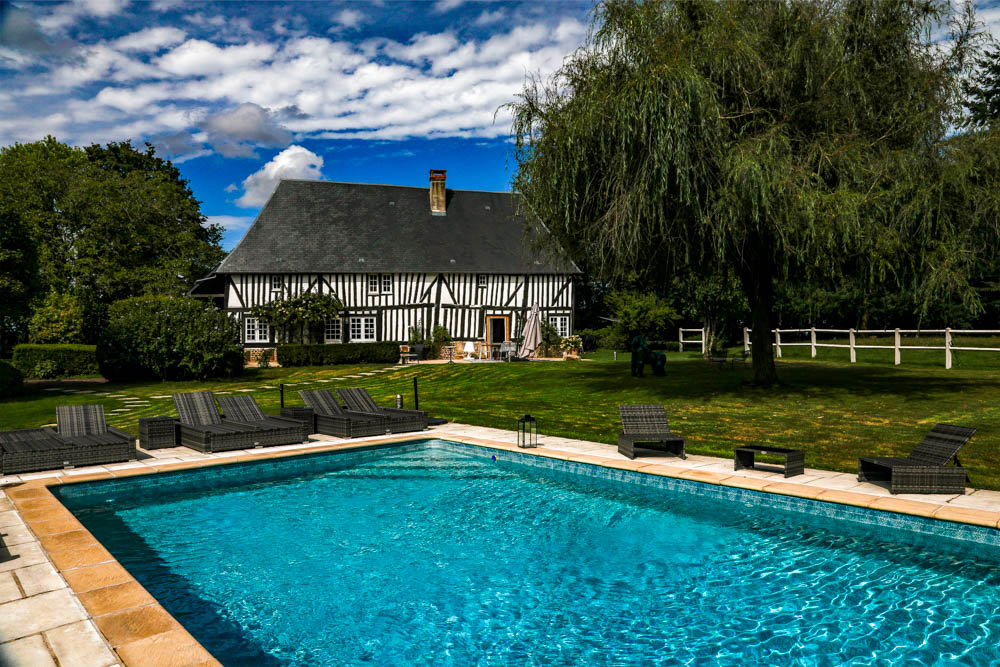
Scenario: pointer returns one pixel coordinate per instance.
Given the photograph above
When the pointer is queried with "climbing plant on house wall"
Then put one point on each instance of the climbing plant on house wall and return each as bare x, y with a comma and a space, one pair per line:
300, 317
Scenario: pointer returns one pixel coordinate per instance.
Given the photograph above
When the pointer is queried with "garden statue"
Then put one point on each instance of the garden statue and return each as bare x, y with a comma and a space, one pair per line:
643, 354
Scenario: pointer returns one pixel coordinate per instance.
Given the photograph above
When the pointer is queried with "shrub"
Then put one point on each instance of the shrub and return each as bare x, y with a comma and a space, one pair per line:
168, 338
440, 337
643, 315
550, 340
56, 361
297, 317
345, 353
608, 338
60, 319
11, 380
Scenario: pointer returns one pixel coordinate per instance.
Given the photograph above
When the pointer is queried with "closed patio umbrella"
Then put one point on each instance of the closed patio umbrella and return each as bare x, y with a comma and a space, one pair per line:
532, 333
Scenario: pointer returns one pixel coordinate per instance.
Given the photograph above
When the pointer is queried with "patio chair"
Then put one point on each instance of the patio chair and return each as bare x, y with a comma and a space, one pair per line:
647, 424
274, 430
82, 438
926, 469
332, 419
400, 421
202, 428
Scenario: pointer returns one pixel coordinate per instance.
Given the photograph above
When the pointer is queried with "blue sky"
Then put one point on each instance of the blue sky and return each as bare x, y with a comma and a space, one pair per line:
241, 94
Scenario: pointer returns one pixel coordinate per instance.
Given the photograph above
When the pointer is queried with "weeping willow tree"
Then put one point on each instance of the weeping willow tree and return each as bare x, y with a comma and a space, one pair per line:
791, 140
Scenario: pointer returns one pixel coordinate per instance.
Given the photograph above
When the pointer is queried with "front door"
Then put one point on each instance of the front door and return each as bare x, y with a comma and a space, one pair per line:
498, 330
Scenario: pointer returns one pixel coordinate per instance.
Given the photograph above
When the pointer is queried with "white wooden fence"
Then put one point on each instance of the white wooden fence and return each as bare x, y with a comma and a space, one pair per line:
691, 341
948, 347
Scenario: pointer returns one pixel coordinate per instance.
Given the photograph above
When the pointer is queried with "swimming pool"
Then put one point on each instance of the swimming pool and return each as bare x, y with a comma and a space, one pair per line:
434, 553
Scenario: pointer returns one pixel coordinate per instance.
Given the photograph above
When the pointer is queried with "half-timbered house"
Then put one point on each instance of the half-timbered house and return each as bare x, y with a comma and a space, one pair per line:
397, 257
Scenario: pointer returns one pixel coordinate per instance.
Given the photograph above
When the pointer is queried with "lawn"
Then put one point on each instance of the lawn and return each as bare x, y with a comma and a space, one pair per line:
835, 411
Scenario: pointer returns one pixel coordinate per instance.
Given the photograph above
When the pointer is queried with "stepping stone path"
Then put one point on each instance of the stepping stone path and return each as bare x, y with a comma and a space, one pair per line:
52, 389
161, 397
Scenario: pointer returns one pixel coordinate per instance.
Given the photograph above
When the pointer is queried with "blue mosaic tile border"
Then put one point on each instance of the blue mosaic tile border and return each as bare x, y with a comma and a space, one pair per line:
873, 518
81, 494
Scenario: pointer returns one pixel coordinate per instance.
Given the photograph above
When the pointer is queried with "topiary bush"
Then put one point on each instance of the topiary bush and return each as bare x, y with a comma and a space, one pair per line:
56, 361
346, 353
11, 380
168, 338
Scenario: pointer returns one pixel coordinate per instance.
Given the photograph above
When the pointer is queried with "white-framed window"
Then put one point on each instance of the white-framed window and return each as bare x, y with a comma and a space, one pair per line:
481, 280
362, 329
560, 323
380, 283
332, 330
255, 331
276, 284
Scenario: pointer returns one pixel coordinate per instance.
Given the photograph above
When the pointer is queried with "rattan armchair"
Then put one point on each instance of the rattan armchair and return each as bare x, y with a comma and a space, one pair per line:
400, 421
926, 469
332, 419
647, 424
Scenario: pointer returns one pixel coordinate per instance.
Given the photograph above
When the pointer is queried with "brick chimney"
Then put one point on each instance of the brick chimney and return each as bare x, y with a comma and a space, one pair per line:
437, 192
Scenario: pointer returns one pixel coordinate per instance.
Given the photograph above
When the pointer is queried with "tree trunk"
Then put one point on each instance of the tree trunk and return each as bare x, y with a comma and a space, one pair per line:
757, 278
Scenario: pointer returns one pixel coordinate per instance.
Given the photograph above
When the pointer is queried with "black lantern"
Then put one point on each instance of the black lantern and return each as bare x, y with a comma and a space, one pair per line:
527, 431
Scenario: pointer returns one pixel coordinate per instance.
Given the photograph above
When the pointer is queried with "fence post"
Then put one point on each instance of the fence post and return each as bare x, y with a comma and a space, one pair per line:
812, 341
947, 348
704, 343
680, 340
746, 339
777, 341
854, 353
896, 346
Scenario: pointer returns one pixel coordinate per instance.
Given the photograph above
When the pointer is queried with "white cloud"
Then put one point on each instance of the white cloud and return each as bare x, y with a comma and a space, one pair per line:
447, 5
197, 57
234, 133
488, 17
230, 222
293, 162
66, 14
348, 19
150, 40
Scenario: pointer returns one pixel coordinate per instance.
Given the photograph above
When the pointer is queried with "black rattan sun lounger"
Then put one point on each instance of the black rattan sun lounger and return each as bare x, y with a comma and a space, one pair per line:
202, 427
332, 419
926, 469
275, 430
400, 421
647, 424
82, 438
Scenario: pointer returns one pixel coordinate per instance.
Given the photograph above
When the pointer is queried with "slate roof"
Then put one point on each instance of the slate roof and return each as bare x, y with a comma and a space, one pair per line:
324, 227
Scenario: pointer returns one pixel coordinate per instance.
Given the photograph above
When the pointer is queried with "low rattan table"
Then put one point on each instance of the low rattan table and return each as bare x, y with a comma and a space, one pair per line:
795, 459
157, 432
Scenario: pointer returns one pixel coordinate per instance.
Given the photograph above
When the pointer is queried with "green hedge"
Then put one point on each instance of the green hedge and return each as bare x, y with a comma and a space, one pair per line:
347, 353
11, 380
56, 361
168, 338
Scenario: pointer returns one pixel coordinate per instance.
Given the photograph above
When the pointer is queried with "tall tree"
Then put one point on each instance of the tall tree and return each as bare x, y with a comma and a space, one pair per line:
108, 223
782, 139
983, 89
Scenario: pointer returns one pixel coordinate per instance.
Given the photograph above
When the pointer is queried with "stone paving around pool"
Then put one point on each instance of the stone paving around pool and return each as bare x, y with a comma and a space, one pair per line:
65, 601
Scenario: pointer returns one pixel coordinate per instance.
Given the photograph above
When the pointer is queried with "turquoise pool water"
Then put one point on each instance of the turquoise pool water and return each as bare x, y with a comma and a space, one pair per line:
434, 554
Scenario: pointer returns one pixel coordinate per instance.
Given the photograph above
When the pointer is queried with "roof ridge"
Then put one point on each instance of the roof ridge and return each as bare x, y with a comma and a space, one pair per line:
390, 185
